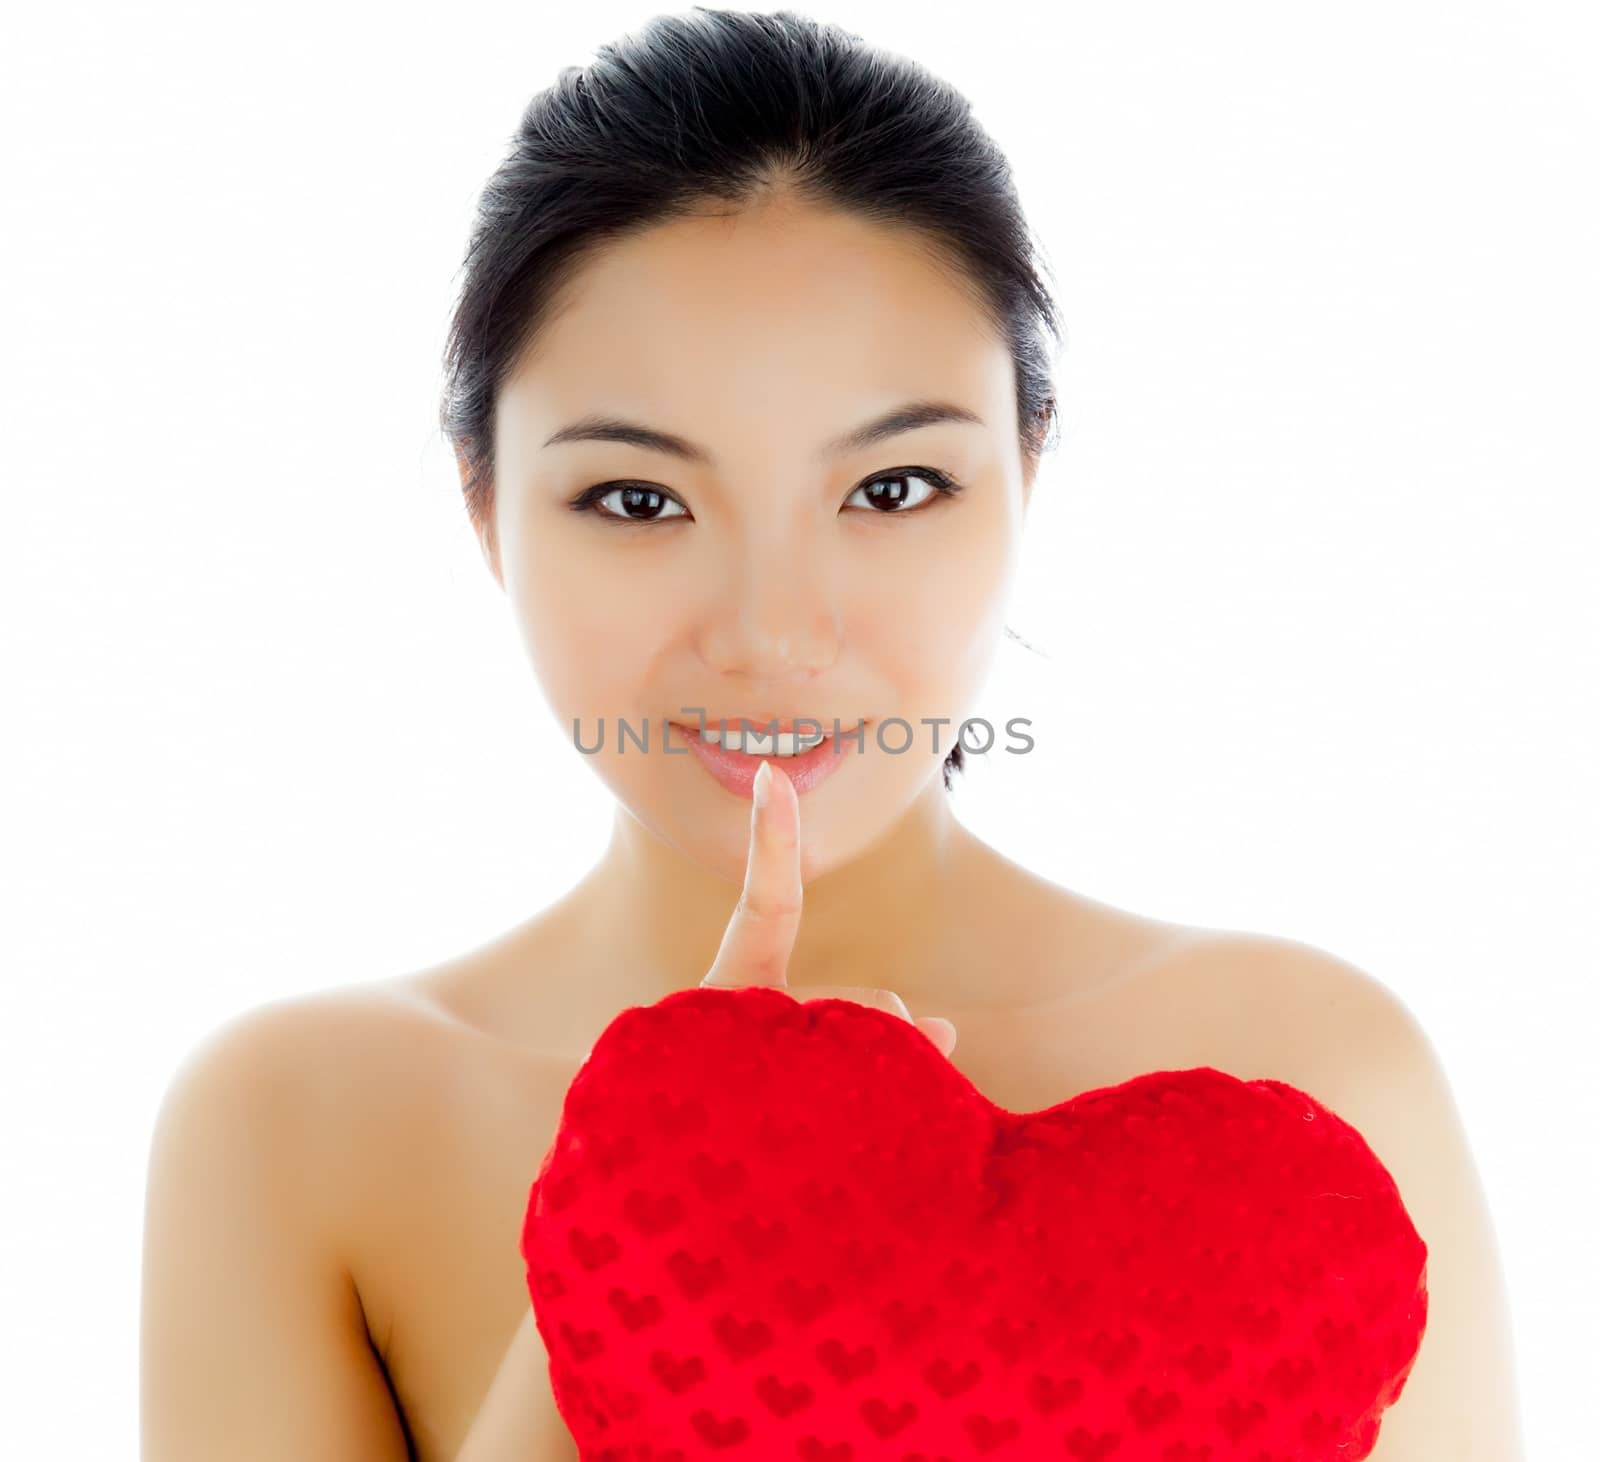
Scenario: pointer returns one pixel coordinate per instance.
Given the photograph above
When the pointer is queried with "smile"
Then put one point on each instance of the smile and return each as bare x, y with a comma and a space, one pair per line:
734, 758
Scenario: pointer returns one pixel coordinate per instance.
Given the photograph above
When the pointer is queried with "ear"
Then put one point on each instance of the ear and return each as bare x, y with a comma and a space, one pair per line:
1031, 461
491, 548
483, 525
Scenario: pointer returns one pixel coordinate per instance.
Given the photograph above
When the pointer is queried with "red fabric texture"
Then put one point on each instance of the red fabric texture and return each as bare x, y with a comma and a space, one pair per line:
769, 1228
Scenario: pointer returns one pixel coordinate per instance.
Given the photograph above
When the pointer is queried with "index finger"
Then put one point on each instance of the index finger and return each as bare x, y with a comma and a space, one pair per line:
760, 936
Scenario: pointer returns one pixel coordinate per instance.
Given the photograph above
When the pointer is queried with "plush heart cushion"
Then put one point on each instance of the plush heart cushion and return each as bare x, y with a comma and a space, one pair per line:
769, 1228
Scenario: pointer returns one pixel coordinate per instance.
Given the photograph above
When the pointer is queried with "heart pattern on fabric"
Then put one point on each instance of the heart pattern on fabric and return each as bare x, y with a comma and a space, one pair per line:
769, 1228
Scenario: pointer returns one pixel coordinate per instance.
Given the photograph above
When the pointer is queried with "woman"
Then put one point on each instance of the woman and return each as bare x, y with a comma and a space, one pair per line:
743, 292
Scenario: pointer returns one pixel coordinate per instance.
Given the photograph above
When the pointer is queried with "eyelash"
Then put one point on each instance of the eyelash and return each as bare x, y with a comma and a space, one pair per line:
589, 499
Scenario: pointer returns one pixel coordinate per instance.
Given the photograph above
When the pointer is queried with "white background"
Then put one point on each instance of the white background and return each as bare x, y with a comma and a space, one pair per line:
1314, 561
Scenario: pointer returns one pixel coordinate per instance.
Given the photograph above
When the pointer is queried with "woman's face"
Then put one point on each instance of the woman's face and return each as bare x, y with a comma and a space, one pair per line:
773, 574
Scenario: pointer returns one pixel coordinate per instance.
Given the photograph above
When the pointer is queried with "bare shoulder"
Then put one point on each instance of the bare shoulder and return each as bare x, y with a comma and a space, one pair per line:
1267, 1005
1280, 1008
330, 1077
305, 1048
243, 1198
282, 1058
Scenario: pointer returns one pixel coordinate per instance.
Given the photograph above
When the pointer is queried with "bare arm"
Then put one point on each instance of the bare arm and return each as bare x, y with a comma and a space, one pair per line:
253, 1343
517, 1420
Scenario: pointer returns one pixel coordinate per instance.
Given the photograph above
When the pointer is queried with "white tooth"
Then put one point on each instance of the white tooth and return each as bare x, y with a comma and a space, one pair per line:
755, 743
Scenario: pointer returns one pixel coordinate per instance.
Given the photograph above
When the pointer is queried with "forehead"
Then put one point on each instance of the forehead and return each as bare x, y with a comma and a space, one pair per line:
788, 316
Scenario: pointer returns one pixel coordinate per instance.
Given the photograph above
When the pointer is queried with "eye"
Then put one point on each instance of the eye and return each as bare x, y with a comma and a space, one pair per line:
893, 497
887, 496
649, 500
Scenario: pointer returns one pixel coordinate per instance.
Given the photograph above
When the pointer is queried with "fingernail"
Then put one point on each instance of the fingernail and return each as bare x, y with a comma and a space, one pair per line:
762, 789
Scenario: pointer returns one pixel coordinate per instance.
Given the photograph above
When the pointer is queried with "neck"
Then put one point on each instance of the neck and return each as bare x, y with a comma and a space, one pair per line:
652, 919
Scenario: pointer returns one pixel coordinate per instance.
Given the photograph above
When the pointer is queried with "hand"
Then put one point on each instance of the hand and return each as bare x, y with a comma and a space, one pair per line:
760, 936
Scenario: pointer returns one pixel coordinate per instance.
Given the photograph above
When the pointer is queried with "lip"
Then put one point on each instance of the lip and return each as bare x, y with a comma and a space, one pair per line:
736, 770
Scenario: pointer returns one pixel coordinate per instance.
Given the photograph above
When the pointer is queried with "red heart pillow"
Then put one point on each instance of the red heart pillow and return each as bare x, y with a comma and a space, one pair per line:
769, 1228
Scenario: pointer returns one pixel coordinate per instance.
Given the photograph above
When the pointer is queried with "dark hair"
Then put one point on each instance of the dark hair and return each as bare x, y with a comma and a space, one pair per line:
724, 105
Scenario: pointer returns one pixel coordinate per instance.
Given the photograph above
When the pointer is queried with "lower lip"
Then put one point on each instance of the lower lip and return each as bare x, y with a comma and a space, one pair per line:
736, 770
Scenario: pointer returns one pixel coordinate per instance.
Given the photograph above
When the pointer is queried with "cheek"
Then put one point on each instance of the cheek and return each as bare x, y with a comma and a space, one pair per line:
928, 620
588, 629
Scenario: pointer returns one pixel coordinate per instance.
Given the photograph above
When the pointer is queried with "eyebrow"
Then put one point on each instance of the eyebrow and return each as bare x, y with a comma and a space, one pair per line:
908, 417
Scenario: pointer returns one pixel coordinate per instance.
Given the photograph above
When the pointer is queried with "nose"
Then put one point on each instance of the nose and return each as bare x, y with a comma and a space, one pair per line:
776, 617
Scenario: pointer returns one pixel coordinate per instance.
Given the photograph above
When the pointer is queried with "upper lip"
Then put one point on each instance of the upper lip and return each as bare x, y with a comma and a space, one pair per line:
765, 724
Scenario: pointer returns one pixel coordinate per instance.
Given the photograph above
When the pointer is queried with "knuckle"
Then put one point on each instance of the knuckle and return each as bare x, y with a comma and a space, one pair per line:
767, 970
758, 905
